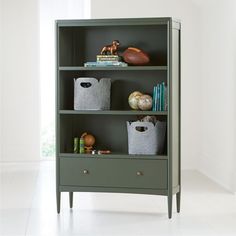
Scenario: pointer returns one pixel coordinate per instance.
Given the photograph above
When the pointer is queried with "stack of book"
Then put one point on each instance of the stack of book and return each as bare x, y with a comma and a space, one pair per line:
159, 97
106, 60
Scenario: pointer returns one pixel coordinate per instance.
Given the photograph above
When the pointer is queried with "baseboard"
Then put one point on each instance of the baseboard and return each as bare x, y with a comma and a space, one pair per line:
217, 181
25, 162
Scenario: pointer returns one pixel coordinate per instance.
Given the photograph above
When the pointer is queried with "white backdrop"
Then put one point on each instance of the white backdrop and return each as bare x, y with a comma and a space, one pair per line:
20, 80
208, 78
1, 74
218, 114
208, 75
51, 10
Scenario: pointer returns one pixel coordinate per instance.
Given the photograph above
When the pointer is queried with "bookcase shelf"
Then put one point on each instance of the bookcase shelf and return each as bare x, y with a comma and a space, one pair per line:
113, 156
112, 68
123, 83
79, 41
114, 112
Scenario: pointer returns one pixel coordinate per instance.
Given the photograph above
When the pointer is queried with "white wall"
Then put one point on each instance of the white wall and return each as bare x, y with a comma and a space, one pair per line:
208, 78
218, 156
1, 78
51, 10
20, 80
189, 15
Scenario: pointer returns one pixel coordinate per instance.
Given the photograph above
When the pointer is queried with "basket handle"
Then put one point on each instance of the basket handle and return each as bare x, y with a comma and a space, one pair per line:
138, 125
86, 82
141, 128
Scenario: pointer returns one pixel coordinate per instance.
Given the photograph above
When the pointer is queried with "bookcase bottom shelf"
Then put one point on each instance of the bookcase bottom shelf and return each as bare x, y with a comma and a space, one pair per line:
110, 132
113, 156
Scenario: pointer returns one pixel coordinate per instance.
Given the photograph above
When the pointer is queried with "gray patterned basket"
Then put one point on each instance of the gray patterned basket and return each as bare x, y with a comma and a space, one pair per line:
92, 94
151, 141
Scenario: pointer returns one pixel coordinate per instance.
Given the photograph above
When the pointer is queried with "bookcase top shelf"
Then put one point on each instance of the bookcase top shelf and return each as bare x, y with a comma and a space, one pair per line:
113, 68
116, 21
112, 112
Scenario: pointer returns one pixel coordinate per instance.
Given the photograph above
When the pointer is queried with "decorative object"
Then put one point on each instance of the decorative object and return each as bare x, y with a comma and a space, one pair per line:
81, 145
152, 119
108, 59
100, 152
133, 99
145, 102
92, 94
135, 56
111, 49
137, 101
76, 145
89, 141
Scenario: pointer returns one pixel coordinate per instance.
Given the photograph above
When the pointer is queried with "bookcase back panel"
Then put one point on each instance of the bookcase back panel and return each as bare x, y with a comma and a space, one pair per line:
123, 83
110, 131
81, 44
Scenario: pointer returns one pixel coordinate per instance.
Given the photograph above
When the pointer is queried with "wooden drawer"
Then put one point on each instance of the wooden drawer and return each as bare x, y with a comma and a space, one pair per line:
130, 173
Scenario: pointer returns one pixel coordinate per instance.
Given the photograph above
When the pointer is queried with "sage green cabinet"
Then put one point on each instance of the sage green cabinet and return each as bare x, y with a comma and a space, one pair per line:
79, 41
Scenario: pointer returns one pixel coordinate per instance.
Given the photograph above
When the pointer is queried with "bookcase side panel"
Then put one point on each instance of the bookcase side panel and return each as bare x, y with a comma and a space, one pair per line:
175, 111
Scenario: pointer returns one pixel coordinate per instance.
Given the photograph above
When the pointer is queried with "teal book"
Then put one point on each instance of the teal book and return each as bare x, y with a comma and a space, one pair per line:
166, 101
163, 96
156, 103
154, 99
156, 94
158, 97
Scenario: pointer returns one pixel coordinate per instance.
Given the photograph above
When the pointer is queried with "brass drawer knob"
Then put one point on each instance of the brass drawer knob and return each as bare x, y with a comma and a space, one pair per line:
139, 173
85, 172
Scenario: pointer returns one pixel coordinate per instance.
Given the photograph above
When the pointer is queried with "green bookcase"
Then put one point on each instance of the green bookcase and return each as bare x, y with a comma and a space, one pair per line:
79, 41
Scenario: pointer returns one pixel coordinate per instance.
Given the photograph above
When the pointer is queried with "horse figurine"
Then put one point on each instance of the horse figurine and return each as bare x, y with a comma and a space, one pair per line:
110, 49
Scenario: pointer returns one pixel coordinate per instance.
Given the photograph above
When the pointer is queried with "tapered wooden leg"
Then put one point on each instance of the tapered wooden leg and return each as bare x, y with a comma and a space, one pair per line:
170, 206
58, 202
178, 195
71, 199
